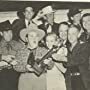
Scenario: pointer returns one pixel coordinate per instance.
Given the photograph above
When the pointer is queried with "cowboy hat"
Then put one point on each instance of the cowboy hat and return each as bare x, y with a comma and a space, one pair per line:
73, 12
32, 28
47, 10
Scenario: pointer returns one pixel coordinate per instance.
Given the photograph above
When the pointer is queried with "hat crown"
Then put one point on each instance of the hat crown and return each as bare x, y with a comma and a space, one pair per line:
47, 10
73, 11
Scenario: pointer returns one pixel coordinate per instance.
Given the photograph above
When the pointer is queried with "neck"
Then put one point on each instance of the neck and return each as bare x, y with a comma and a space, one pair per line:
76, 23
31, 48
73, 45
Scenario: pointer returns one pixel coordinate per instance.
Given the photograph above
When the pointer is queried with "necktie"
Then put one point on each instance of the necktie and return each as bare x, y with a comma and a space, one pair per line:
31, 59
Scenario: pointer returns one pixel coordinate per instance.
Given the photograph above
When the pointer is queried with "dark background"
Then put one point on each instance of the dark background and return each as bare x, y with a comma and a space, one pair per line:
19, 5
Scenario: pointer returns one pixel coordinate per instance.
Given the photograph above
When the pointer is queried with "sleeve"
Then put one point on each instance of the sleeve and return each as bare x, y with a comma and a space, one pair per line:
21, 62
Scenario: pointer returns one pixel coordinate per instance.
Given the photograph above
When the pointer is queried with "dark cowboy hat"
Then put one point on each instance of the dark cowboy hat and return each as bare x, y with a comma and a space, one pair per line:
5, 26
73, 12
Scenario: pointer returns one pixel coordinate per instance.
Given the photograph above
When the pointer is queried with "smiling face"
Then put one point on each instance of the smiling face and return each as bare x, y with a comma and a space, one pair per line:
63, 31
73, 33
29, 13
86, 23
51, 40
32, 40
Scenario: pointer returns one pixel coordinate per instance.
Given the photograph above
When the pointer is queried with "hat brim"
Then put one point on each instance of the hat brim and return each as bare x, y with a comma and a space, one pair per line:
40, 33
72, 14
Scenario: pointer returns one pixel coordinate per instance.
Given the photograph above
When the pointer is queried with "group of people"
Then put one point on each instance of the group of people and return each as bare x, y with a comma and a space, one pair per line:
38, 54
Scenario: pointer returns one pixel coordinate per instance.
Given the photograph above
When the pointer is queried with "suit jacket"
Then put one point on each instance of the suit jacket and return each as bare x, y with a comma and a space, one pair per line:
55, 27
79, 57
17, 26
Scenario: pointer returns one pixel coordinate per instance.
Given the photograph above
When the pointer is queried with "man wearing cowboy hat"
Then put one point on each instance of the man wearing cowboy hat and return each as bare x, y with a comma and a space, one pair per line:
27, 80
8, 48
46, 15
74, 16
21, 23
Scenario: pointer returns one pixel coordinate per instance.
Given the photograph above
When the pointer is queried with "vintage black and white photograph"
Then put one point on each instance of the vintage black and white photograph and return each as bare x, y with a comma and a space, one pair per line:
44, 45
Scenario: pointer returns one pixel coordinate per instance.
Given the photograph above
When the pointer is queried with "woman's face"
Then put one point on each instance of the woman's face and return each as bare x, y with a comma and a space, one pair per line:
73, 35
50, 41
33, 40
63, 31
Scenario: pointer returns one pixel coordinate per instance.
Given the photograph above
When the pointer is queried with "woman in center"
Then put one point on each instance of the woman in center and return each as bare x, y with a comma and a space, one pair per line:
32, 52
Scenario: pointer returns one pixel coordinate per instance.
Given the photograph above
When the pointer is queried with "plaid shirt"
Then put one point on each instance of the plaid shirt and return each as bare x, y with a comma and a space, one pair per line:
9, 48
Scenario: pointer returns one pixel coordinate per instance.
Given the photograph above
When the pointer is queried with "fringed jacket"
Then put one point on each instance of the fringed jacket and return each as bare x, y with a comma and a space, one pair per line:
22, 58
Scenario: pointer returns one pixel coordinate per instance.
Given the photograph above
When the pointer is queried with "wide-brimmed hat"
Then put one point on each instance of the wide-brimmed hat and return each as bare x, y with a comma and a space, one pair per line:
32, 28
73, 12
47, 10
5, 26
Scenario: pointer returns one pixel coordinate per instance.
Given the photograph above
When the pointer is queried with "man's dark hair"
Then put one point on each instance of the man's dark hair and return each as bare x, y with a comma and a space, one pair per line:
64, 23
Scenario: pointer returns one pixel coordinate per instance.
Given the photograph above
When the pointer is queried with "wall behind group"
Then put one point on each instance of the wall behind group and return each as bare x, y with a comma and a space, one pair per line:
60, 15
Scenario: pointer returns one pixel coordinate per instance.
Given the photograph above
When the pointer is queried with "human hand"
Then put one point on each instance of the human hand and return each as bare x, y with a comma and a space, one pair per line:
29, 68
46, 61
8, 58
2, 63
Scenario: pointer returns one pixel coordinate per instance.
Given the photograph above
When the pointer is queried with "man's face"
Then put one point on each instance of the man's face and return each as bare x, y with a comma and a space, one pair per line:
50, 17
50, 41
63, 31
73, 35
86, 23
7, 35
33, 40
77, 17
29, 13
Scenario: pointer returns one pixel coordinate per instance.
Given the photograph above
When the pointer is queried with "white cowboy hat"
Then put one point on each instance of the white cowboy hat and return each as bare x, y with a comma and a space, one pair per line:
47, 10
32, 28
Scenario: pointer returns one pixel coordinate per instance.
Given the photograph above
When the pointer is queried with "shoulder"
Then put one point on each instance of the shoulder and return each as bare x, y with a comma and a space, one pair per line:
22, 53
42, 49
16, 45
84, 47
17, 21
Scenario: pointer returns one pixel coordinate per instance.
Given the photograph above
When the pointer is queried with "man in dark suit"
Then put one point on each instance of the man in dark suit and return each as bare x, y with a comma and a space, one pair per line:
78, 61
22, 23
